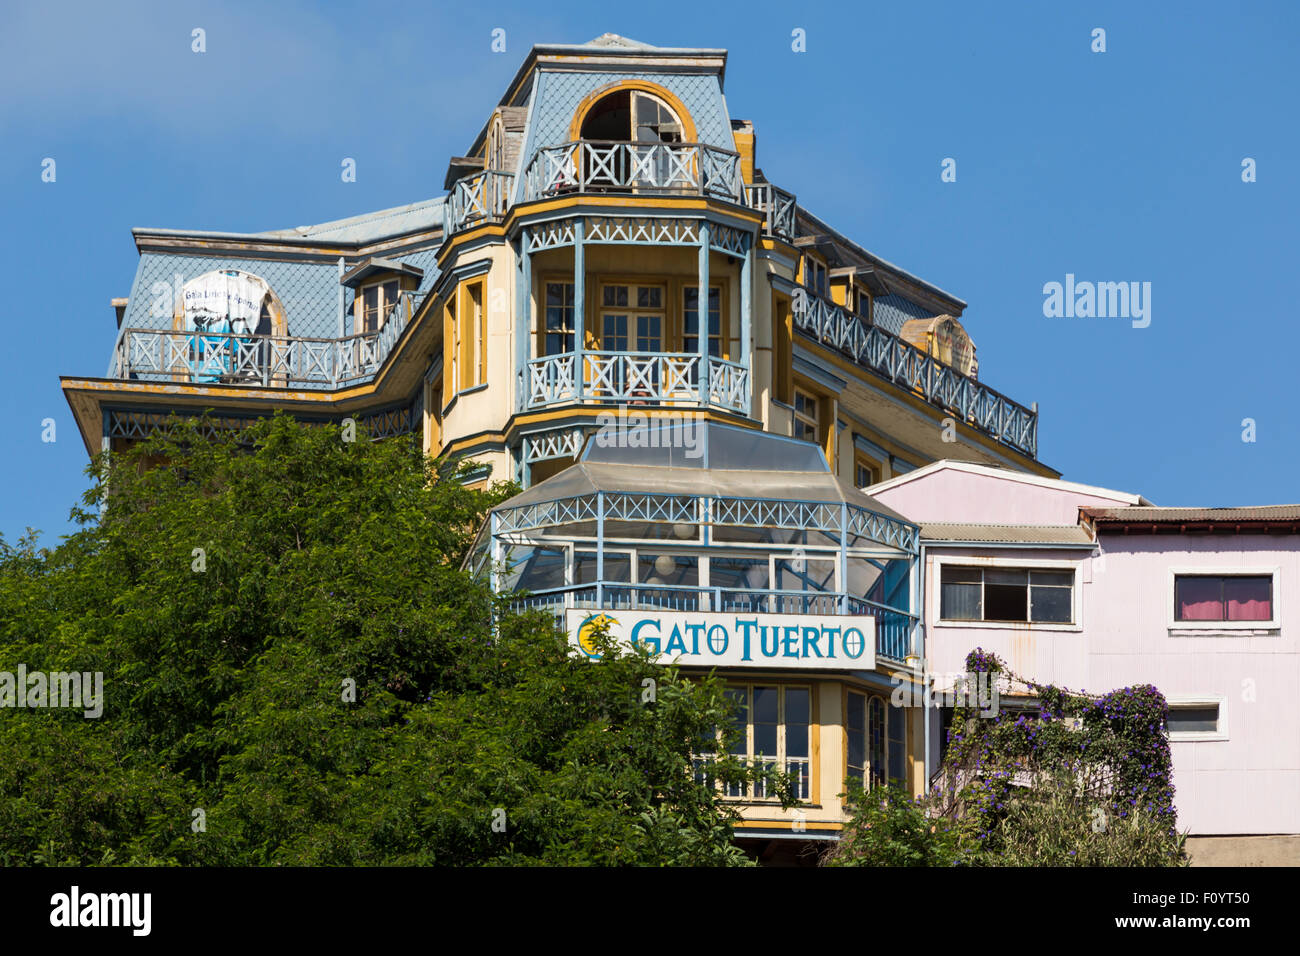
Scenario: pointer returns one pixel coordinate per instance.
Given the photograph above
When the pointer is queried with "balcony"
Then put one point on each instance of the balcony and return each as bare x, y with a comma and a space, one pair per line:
589, 166
632, 378
215, 358
967, 399
474, 200
778, 208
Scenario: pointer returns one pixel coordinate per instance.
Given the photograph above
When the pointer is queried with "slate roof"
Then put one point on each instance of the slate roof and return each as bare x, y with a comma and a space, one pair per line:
309, 290
370, 227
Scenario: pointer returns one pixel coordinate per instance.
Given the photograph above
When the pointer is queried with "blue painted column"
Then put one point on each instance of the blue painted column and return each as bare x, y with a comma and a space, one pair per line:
579, 307
702, 313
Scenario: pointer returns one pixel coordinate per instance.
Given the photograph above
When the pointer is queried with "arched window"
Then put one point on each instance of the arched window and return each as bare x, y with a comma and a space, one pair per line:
628, 135
631, 116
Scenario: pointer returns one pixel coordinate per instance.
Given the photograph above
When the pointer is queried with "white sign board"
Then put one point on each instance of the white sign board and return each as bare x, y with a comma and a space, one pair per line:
716, 639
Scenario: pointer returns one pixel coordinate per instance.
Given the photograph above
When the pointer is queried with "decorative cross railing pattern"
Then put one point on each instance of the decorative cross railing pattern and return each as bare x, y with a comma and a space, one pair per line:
483, 197
836, 520
903, 364
778, 208
586, 166
267, 360
634, 377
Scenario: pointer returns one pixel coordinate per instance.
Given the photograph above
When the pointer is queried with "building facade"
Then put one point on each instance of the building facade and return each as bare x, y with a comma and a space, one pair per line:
1095, 589
692, 377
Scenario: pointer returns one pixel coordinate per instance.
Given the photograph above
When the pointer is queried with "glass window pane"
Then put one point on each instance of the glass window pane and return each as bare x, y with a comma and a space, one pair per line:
798, 716
817, 574
797, 706
1249, 599
1051, 604
961, 575
1198, 598
1193, 719
959, 602
766, 706
876, 738
668, 570
1056, 578
534, 569
618, 567
738, 573
998, 576
897, 743
740, 720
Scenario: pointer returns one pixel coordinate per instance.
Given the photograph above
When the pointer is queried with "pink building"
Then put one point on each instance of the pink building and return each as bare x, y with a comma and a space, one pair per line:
1096, 589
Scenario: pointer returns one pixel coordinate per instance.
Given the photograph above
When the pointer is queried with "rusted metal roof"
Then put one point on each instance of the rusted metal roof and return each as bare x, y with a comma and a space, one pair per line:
1154, 520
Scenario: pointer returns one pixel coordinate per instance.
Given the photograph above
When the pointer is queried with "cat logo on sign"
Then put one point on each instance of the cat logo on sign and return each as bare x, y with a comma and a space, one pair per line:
587, 631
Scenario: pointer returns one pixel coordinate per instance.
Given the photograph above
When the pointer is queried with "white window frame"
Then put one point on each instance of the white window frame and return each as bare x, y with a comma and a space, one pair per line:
1189, 736
781, 758
935, 589
1231, 628
891, 713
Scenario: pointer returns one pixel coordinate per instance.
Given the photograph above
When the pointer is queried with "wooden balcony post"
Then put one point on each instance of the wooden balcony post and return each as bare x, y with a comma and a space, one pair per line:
579, 307
702, 313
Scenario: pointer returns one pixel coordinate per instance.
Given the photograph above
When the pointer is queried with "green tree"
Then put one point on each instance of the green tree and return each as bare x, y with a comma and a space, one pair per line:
233, 596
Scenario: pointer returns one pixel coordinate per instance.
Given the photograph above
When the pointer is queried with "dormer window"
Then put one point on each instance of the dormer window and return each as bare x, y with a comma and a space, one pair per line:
379, 284
377, 300
814, 275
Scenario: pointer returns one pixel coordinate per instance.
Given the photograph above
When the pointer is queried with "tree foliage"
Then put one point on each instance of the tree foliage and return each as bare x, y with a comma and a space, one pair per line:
232, 594
1077, 780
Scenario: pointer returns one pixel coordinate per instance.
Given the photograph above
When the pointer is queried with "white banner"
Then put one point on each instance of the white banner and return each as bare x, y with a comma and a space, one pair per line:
715, 639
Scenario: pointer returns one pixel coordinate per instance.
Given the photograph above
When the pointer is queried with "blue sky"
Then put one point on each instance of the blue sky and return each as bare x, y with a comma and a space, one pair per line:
1115, 166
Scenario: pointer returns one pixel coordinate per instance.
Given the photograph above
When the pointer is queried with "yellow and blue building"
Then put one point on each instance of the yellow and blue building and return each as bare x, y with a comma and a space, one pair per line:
691, 375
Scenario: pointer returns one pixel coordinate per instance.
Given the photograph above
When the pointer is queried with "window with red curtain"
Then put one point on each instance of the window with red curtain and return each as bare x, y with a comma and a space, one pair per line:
1204, 597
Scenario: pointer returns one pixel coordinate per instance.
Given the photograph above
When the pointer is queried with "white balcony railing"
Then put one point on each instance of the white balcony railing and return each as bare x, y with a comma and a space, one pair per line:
483, 197
902, 363
284, 361
778, 208
632, 378
586, 166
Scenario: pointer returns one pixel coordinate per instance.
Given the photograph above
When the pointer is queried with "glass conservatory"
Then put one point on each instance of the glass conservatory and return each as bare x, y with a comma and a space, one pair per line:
715, 544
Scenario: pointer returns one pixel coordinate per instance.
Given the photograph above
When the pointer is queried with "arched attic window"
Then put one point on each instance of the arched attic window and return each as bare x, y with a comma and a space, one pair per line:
627, 136
632, 116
